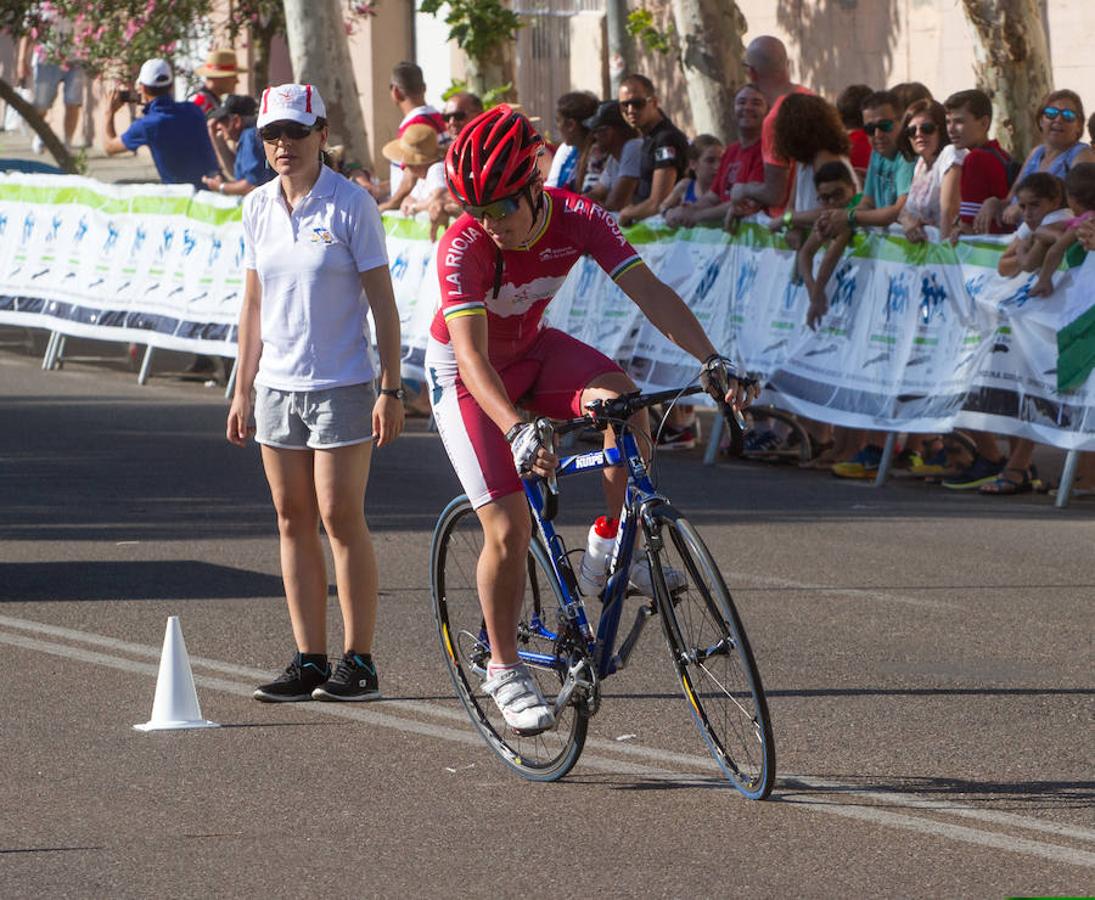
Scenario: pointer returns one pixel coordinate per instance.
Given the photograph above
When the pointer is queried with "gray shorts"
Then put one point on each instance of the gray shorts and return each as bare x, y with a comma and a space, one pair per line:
315, 420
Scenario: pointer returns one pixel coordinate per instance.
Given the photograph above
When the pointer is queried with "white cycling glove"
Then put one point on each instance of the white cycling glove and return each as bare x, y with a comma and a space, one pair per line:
525, 444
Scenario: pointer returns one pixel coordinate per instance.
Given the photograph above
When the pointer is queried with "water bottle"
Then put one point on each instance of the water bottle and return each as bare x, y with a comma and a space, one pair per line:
593, 571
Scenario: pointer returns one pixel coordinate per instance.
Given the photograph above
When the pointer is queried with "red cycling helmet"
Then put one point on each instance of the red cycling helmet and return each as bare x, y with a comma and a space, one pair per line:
493, 157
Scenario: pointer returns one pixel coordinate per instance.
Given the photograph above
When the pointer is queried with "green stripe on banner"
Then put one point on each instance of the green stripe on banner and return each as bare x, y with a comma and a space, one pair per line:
1076, 351
409, 229
146, 204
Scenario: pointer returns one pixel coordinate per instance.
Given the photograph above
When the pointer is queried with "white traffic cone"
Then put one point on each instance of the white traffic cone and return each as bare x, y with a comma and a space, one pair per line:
176, 702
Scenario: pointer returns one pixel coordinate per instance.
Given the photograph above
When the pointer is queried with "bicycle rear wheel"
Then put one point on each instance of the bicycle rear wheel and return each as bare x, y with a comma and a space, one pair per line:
712, 656
457, 542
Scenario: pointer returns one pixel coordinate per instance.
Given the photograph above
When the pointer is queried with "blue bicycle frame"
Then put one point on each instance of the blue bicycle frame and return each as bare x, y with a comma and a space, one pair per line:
640, 491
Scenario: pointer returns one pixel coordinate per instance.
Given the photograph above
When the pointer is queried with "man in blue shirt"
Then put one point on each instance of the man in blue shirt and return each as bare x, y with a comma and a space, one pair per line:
234, 120
174, 132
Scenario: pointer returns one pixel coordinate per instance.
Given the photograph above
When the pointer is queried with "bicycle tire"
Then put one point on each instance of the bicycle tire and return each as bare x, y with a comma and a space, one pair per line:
454, 554
726, 698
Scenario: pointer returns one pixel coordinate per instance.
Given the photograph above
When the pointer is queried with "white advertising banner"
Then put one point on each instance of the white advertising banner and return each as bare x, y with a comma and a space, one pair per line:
918, 337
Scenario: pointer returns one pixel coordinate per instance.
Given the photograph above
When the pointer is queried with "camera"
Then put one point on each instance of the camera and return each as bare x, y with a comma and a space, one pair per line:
128, 96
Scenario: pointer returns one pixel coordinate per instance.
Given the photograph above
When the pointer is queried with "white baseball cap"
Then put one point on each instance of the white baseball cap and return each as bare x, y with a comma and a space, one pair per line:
291, 102
155, 73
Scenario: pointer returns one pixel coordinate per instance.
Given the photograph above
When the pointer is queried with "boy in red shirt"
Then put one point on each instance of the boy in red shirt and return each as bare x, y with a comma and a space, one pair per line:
985, 169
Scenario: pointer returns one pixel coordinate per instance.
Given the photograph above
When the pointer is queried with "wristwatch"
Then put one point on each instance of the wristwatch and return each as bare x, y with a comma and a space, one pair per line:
392, 392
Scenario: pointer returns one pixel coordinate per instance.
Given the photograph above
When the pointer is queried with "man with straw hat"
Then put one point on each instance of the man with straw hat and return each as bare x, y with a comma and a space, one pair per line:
418, 150
221, 75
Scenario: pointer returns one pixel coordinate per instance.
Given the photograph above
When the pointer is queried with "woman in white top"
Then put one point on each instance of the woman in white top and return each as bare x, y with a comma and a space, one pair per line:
935, 193
315, 263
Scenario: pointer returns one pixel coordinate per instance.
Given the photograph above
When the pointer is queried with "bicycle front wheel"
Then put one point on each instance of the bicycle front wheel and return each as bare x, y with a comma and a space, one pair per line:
454, 557
712, 657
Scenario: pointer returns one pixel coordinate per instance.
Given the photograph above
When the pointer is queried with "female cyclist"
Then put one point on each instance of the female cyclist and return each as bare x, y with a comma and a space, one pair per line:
499, 265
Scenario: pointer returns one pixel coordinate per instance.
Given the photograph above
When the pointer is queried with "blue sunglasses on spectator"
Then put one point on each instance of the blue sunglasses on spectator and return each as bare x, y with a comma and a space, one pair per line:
1052, 112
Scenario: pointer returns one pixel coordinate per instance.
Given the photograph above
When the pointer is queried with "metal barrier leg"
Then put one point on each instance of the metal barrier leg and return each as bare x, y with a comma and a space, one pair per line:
59, 354
1068, 475
887, 459
431, 425
230, 386
146, 364
712, 450
51, 345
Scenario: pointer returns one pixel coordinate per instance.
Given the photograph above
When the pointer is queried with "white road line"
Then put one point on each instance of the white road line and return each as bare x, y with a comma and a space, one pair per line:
848, 593
466, 736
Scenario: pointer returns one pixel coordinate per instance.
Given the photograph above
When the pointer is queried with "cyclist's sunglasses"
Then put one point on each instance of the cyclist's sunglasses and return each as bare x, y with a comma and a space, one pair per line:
499, 209
883, 125
923, 128
291, 130
1052, 112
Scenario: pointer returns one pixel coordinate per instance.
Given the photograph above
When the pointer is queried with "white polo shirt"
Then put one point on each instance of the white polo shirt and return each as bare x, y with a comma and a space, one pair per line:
314, 331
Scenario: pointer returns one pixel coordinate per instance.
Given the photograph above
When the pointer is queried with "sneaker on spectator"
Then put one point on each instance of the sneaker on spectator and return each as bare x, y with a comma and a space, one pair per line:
936, 464
353, 679
908, 459
518, 698
981, 471
302, 676
863, 465
759, 443
677, 438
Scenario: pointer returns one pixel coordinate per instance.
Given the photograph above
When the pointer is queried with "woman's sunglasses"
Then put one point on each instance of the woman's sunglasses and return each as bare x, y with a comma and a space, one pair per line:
1052, 112
290, 130
924, 128
499, 209
883, 125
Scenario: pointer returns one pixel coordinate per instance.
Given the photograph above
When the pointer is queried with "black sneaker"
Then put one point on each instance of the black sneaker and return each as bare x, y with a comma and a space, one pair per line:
981, 471
297, 682
354, 678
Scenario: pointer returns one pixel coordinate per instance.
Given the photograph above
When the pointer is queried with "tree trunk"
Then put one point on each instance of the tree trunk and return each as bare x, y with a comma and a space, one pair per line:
491, 72
711, 56
30, 115
321, 56
1012, 64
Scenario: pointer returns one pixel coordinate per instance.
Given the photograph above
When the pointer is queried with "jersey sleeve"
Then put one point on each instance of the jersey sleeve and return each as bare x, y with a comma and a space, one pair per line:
465, 269
607, 245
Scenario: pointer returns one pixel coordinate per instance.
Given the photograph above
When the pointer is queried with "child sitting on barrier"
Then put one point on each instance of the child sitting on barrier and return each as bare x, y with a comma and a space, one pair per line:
1059, 237
836, 190
1041, 200
704, 155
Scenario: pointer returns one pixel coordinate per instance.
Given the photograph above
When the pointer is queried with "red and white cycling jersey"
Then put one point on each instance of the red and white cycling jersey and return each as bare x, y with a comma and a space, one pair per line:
467, 261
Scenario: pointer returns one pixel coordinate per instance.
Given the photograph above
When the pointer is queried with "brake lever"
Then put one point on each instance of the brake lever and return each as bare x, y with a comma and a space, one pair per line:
547, 439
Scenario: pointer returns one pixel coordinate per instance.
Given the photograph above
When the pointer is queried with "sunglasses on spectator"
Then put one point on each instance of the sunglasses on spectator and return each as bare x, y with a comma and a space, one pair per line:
1052, 112
449, 116
827, 197
925, 128
291, 130
634, 103
499, 209
883, 125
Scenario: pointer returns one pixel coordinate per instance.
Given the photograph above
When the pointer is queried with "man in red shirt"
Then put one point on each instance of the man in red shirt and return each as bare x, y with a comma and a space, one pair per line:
408, 91
766, 65
741, 162
985, 168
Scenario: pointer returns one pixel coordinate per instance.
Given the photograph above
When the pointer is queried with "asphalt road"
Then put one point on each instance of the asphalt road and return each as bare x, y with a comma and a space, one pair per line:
928, 659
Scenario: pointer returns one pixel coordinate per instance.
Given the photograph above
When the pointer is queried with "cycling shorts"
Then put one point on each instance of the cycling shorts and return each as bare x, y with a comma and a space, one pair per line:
547, 380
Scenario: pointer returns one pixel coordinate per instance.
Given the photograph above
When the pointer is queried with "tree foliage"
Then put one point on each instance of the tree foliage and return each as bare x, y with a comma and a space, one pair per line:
479, 27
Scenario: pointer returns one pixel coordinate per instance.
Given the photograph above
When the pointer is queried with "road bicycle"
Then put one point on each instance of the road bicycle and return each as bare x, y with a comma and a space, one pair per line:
568, 656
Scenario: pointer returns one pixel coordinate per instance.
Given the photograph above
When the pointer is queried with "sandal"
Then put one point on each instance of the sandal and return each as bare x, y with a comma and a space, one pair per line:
1004, 485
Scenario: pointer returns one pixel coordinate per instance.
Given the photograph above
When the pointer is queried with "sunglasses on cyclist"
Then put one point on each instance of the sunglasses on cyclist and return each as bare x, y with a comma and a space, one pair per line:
449, 116
634, 103
883, 125
1052, 112
291, 130
499, 209
925, 128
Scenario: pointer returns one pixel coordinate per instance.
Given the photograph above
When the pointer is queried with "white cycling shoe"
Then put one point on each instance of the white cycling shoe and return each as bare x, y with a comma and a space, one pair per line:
518, 698
641, 580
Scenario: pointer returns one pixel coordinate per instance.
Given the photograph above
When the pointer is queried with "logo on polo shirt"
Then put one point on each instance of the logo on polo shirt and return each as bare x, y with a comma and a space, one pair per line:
322, 236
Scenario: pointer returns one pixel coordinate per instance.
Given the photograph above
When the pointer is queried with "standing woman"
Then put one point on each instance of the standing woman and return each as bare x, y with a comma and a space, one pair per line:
315, 263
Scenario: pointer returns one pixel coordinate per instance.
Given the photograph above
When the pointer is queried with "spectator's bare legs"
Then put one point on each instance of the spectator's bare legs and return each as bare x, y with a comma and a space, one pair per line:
341, 475
303, 567
72, 119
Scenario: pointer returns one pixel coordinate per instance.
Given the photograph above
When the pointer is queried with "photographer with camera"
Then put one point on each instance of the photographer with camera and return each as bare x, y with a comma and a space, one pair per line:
174, 132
